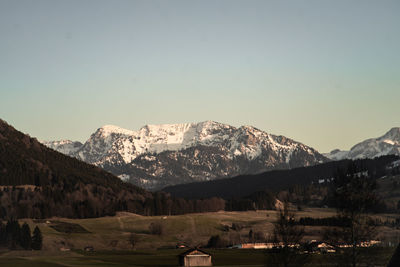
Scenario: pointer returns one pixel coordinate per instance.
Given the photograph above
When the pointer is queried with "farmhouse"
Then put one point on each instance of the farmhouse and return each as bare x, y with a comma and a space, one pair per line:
195, 257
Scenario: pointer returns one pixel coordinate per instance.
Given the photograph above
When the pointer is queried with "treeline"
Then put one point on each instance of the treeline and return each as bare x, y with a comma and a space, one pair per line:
13, 236
329, 221
89, 201
261, 200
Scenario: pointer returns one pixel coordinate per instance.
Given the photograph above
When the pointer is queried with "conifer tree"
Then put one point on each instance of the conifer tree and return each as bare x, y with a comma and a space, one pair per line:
37, 239
26, 239
13, 231
3, 234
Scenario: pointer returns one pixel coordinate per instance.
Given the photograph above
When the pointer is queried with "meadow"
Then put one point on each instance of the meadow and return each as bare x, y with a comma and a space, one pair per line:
113, 233
65, 239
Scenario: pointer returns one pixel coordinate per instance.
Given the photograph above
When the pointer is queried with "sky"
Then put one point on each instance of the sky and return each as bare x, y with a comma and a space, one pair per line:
325, 73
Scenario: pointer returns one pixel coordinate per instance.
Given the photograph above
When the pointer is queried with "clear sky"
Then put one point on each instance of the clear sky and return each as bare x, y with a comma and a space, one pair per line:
325, 73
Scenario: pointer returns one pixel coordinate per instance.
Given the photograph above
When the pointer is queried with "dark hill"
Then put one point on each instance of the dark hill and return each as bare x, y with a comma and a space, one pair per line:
275, 181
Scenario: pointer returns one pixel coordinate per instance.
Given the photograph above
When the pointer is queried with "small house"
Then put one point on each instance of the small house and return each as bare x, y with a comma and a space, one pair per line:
195, 257
89, 249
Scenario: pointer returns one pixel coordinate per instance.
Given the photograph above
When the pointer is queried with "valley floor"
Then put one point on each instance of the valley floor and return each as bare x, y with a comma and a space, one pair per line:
66, 239
169, 257
113, 233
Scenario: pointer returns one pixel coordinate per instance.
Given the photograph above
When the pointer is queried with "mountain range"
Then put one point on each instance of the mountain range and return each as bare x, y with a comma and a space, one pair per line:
38, 182
49, 183
387, 144
156, 156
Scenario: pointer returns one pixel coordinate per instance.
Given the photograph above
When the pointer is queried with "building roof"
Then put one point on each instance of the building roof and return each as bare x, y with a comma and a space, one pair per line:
194, 252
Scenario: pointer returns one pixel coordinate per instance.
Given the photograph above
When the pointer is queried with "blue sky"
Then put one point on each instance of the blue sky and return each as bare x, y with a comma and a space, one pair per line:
325, 73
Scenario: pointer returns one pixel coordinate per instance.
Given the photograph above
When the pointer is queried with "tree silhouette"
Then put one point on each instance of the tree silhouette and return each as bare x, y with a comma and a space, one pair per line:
287, 237
13, 231
26, 239
132, 240
37, 239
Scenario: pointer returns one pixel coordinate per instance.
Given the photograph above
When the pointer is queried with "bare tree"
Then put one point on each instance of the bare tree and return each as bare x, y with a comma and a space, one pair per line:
287, 238
132, 240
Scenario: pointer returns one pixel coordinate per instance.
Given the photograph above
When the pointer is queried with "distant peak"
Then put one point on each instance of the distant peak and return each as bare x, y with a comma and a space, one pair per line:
165, 127
109, 126
213, 124
110, 129
250, 128
393, 133
210, 123
395, 130
58, 142
183, 126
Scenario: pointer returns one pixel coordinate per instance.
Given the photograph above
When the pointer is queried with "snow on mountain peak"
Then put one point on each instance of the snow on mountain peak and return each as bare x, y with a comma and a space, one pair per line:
387, 144
112, 129
59, 142
393, 134
111, 141
64, 146
201, 150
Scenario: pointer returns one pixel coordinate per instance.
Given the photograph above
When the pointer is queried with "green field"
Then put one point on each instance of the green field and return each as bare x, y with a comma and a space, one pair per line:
112, 233
109, 236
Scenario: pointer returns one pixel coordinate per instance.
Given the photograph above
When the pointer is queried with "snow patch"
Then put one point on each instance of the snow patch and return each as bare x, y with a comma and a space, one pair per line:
124, 177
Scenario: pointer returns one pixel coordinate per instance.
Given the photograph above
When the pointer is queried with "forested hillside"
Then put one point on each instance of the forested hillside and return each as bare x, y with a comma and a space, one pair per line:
275, 181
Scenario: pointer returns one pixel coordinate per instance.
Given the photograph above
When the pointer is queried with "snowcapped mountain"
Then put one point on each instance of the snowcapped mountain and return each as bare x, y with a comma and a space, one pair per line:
168, 154
67, 147
387, 144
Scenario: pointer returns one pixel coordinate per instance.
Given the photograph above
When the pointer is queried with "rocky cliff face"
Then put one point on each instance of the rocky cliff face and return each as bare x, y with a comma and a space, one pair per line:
168, 154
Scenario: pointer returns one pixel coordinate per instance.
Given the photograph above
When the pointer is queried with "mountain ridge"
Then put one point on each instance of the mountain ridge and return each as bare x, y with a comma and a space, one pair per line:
387, 144
166, 154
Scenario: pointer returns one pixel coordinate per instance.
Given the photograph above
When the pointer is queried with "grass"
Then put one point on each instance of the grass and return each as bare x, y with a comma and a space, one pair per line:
26, 262
110, 238
66, 227
113, 233
166, 258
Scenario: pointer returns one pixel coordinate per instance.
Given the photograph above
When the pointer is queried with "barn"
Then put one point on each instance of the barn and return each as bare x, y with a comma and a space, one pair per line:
195, 257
